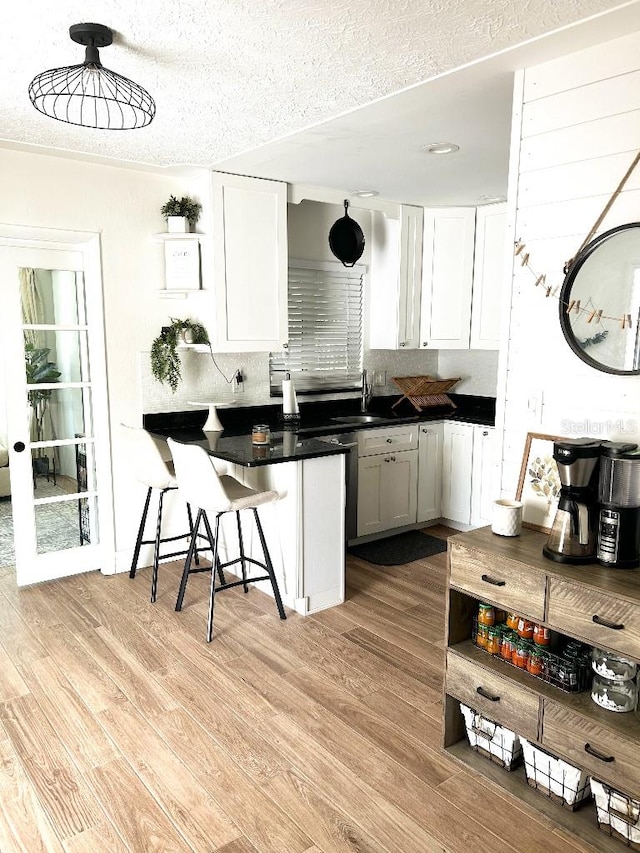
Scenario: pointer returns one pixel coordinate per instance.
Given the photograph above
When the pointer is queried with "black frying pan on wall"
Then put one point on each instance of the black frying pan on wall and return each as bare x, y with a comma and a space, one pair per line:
346, 239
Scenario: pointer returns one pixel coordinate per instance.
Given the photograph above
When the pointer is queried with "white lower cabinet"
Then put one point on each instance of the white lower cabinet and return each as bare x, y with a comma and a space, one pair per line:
430, 471
457, 465
467, 473
387, 491
482, 493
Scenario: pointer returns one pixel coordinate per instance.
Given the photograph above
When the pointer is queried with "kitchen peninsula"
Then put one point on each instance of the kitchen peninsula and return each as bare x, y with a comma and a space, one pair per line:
305, 528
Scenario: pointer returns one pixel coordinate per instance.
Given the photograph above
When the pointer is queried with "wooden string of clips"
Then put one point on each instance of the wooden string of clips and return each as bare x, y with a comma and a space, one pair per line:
424, 391
574, 305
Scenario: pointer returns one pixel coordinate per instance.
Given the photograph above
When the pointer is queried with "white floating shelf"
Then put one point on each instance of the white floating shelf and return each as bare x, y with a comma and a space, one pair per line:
187, 235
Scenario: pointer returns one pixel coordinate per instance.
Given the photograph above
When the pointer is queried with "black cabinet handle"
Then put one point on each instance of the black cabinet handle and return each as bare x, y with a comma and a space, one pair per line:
482, 692
493, 581
608, 758
19, 446
389, 441
615, 626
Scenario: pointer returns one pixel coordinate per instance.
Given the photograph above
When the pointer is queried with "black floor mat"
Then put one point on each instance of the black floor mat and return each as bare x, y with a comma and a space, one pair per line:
399, 549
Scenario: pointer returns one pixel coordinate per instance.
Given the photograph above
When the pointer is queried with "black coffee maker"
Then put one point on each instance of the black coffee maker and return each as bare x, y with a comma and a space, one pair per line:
619, 498
573, 535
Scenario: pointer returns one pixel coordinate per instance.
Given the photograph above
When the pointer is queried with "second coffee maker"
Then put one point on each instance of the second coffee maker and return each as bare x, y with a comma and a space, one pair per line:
573, 535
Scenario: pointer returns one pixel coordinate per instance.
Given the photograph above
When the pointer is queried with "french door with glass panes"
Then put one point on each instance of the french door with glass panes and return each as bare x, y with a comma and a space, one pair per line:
56, 399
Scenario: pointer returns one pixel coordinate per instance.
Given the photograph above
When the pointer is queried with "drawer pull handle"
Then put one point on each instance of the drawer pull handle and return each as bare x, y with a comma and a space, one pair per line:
482, 692
494, 582
615, 626
608, 758
389, 441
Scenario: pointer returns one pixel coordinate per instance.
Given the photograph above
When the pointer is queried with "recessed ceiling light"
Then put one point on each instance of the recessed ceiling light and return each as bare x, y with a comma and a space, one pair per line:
365, 193
441, 148
492, 199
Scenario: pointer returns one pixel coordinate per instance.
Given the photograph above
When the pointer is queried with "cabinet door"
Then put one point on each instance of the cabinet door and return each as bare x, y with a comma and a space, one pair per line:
447, 276
430, 472
457, 457
250, 261
399, 489
482, 493
395, 279
370, 491
489, 275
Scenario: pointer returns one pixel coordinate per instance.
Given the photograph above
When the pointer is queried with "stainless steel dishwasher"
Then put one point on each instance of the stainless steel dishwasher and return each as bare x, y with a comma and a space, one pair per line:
348, 440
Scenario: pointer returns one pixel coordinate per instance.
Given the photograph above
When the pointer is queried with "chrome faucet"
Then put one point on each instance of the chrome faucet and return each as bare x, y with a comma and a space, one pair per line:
367, 392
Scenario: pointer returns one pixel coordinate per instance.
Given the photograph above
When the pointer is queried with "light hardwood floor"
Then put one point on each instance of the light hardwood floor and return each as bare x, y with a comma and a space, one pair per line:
122, 730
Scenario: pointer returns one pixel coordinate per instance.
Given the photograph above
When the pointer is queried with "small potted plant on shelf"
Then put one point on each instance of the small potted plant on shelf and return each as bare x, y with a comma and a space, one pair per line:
181, 214
165, 359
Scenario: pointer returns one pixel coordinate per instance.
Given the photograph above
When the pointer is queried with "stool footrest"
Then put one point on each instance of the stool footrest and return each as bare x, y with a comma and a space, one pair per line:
240, 583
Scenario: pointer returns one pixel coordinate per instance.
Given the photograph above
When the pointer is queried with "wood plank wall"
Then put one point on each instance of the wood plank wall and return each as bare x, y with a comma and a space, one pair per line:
578, 134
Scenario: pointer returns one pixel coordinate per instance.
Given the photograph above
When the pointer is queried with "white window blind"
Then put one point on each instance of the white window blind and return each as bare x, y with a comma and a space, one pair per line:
325, 328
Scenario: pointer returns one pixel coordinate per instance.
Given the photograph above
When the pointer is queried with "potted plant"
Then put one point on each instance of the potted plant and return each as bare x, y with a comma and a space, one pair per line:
180, 213
39, 370
165, 359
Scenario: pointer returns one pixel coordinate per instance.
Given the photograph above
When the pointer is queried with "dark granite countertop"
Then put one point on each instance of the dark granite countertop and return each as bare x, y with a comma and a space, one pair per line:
317, 419
239, 449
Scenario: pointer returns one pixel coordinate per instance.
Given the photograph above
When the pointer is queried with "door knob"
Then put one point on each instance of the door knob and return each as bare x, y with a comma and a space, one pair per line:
19, 446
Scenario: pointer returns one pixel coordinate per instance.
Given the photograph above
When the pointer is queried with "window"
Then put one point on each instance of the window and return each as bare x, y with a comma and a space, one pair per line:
325, 329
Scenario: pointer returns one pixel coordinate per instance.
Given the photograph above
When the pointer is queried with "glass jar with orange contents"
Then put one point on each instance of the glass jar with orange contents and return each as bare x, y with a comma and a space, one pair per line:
520, 655
512, 621
486, 615
541, 635
493, 640
507, 643
525, 628
482, 636
534, 663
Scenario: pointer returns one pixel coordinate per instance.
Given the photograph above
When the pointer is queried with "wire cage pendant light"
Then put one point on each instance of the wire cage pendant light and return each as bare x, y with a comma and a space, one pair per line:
89, 94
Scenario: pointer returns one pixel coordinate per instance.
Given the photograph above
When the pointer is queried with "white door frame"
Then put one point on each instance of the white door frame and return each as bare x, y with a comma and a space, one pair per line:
88, 244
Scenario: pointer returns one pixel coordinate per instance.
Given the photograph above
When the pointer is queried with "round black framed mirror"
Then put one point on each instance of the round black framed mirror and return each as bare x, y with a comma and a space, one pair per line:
600, 302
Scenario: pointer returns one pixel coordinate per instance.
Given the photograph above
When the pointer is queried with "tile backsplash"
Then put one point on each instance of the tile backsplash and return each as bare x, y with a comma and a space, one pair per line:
201, 380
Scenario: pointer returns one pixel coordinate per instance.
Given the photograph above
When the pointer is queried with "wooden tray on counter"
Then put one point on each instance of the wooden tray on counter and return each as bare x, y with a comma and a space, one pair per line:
424, 391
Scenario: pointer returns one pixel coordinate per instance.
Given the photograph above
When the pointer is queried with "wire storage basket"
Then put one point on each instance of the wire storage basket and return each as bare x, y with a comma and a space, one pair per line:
618, 814
493, 741
554, 778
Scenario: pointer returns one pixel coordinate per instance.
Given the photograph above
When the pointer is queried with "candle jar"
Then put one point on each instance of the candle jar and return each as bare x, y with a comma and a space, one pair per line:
260, 434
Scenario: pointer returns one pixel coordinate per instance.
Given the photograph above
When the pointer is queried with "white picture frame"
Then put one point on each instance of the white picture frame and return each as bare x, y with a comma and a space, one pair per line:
182, 264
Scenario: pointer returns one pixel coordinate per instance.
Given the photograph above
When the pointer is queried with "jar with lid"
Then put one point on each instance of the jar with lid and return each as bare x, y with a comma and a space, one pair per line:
493, 640
507, 644
525, 628
260, 434
619, 696
482, 636
541, 635
613, 667
512, 621
535, 662
520, 655
486, 615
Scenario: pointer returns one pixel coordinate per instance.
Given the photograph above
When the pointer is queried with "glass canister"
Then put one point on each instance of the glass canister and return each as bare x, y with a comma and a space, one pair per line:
260, 434
613, 667
620, 696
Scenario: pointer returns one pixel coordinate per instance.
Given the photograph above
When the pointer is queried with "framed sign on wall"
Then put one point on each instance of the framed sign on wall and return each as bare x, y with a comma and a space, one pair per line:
182, 264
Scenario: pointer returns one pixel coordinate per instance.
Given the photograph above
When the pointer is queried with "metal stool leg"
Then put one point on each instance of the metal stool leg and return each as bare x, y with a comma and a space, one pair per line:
156, 548
214, 545
143, 521
243, 562
197, 559
269, 566
187, 562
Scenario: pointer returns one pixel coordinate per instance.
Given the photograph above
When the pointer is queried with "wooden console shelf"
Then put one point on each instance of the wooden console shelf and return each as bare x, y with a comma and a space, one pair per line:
512, 573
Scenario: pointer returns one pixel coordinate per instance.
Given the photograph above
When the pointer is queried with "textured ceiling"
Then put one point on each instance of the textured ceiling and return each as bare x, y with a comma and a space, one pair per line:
231, 75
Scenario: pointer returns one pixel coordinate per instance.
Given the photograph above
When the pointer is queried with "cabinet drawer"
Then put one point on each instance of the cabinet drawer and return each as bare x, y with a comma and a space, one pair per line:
601, 619
487, 576
509, 704
581, 740
371, 442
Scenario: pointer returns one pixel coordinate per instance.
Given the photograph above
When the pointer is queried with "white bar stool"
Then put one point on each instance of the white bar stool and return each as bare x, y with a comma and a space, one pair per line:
201, 486
149, 461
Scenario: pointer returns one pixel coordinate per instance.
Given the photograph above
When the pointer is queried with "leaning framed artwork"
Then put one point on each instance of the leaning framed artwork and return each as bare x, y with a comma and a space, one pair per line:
539, 482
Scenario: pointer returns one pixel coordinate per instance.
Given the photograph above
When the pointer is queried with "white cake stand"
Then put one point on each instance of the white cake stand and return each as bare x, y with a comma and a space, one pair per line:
212, 424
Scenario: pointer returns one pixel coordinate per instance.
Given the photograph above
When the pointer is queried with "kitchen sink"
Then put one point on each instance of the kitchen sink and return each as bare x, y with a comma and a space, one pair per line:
359, 419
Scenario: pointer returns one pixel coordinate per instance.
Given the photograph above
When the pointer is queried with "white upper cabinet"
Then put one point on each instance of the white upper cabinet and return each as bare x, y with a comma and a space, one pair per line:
447, 277
250, 263
488, 276
395, 279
